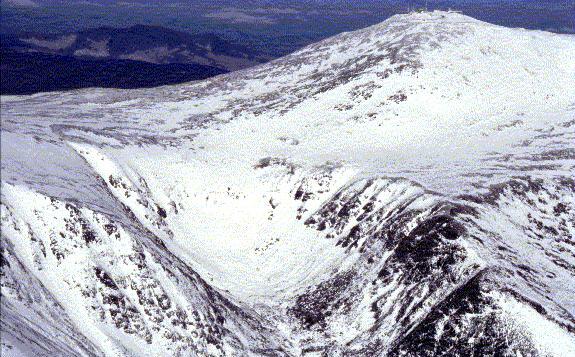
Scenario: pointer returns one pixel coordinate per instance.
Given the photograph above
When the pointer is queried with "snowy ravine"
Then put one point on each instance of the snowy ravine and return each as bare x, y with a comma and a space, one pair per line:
403, 190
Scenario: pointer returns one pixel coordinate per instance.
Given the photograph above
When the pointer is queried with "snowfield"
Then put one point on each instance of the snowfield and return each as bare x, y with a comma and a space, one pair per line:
403, 190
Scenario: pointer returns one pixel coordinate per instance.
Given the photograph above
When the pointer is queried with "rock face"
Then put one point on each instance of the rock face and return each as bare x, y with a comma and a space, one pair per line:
402, 190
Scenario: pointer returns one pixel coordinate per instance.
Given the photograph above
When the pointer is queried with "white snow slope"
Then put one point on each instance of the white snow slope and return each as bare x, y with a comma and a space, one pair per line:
402, 190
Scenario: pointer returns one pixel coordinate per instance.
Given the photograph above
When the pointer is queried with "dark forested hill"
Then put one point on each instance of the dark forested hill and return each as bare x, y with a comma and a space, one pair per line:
29, 72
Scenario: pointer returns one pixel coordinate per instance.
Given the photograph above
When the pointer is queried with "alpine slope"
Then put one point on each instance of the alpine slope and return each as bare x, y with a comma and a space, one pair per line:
407, 189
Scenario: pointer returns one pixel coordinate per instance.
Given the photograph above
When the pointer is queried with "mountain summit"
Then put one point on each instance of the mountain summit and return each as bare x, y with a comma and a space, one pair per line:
402, 190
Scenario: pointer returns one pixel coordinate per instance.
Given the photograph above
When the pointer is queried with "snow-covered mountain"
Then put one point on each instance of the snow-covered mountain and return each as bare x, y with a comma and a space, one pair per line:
403, 190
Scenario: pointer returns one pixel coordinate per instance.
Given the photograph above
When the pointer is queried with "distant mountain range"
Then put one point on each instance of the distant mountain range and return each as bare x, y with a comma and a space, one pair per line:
152, 44
137, 56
